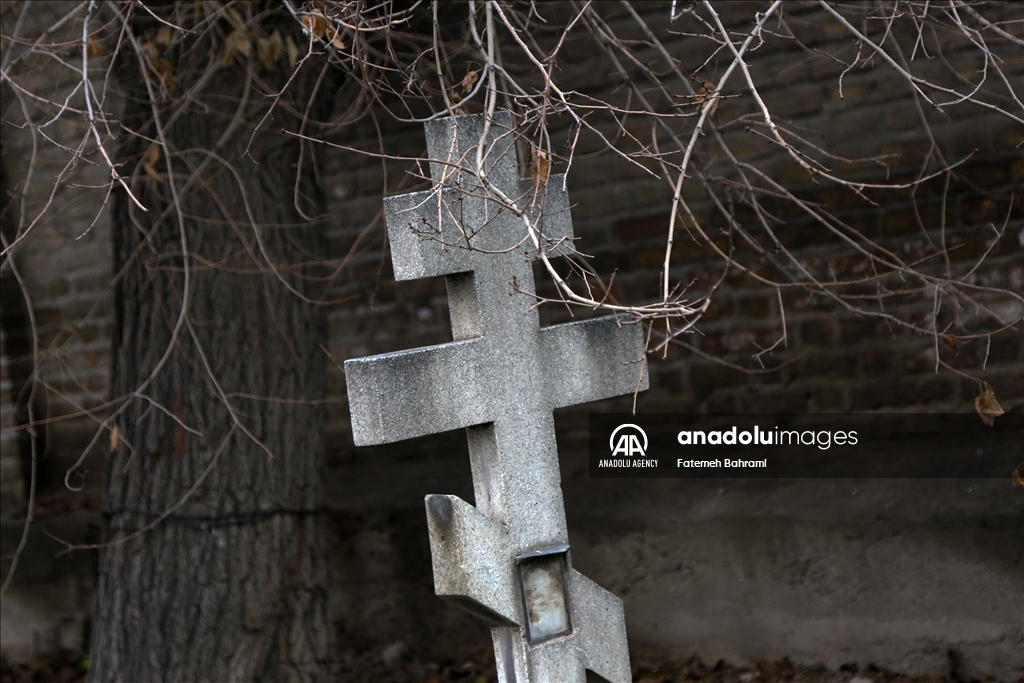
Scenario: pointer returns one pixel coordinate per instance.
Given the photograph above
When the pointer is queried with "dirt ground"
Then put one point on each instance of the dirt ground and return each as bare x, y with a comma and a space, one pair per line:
693, 671
68, 667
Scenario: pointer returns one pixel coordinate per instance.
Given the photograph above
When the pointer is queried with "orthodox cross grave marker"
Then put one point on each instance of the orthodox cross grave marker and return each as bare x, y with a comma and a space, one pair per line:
506, 560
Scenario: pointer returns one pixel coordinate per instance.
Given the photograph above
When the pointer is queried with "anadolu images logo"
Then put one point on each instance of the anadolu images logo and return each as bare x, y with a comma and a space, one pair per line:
628, 442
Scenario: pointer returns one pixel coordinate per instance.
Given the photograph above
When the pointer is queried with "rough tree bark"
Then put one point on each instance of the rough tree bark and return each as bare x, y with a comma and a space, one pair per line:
232, 586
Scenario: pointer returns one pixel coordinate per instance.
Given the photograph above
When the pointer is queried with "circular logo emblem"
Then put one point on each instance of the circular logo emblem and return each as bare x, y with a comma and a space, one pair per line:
628, 442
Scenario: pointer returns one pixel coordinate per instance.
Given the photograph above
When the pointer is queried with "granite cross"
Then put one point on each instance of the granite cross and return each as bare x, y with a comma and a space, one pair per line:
506, 560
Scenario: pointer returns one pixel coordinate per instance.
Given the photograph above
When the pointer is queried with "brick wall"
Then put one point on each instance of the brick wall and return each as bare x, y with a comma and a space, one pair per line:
647, 544
833, 360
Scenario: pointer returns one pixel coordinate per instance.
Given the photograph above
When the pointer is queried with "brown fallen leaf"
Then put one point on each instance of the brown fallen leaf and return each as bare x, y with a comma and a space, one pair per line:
950, 340
1018, 475
149, 163
540, 167
988, 407
469, 81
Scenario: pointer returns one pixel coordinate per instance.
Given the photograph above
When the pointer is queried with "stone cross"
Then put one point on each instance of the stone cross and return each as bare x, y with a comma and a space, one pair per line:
506, 560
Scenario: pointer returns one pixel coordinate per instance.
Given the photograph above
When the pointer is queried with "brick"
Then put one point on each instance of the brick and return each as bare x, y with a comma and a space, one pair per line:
721, 306
825, 365
673, 351
606, 261
981, 210
816, 332
706, 378
901, 116
644, 228
828, 398
639, 286
59, 288
876, 363
800, 299
94, 357
911, 146
739, 340
90, 283
818, 28
722, 403
824, 67
667, 379
853, 94
906, 221
739, 15
1017, 171
850, 266
650, 258
966, 136
760, 307
776, 402
839, 197
859, 330
747, 146
885, 393
988, 178
790, 174
687, 248
795, 101
1006, 347
89, 333
919, 361
48, 316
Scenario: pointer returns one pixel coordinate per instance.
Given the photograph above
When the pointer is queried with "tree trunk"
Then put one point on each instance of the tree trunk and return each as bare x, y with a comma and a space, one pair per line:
220, 419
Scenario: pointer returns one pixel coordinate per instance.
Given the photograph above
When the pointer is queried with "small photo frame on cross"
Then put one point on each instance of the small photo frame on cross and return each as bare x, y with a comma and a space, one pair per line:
544, 580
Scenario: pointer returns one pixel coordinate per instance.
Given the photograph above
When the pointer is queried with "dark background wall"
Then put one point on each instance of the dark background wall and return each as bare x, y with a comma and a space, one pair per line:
897, 573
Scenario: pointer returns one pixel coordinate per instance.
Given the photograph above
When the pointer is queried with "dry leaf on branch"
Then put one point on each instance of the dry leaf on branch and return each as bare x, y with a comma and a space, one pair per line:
457, 110
950, 340
988, 407
540, 167
269, 49
336, 40
469, 81
149, 163
165, 37
238, 42
707, 97
114, 438
315, 23
95, 47
165, 70
159, 65
293, 52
